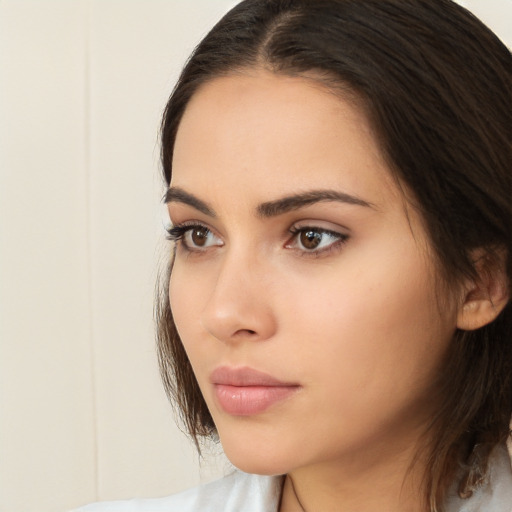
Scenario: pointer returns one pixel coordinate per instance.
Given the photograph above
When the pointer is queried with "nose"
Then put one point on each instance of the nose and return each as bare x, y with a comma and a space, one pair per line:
240, 307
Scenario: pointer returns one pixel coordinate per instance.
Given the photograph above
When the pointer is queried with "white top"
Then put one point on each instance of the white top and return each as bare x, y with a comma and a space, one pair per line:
238, 492
241, 492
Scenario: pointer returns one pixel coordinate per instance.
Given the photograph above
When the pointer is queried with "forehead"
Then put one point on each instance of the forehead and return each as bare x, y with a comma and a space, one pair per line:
267, 133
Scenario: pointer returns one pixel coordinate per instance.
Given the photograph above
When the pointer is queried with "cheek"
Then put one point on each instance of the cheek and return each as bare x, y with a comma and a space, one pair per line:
374, 329
179, 300
185, 296
184, 308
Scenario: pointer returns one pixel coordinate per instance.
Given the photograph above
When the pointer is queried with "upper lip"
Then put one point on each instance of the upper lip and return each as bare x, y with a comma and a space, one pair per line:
245, 376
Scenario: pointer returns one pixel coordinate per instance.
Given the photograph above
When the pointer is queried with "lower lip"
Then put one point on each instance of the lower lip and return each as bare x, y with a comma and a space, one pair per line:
250, 400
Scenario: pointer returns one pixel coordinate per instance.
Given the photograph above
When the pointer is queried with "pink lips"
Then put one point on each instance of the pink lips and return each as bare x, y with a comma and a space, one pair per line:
245, 392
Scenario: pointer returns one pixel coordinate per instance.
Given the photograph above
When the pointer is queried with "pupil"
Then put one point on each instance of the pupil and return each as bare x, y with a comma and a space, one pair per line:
199, 236
310, 239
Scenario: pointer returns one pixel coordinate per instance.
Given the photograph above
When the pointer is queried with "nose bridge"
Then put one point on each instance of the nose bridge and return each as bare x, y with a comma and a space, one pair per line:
239, 304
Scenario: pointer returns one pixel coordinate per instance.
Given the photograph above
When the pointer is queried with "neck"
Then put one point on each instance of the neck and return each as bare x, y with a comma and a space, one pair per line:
387, 484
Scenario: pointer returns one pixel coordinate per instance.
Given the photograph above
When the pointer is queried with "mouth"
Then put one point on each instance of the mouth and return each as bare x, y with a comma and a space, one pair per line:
247, 392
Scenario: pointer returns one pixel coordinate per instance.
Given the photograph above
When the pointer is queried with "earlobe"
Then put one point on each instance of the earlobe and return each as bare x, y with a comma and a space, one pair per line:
487, 295
477, 313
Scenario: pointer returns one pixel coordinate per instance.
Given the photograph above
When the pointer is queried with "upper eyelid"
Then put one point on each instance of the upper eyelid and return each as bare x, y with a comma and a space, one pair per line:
340, 238
186, 225
192, 224
334, 247
321, 225
313, 227
183, 227
189, 225
318, 225
330, 232
177, 232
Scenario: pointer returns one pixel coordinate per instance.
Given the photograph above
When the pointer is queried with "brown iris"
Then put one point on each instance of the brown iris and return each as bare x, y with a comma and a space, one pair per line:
199, 235
310, 239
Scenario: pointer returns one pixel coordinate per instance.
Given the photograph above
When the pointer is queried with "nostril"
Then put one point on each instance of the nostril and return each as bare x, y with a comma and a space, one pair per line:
246, 332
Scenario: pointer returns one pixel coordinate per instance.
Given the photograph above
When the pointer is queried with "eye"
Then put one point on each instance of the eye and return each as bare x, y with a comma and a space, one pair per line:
194, 237
315, 240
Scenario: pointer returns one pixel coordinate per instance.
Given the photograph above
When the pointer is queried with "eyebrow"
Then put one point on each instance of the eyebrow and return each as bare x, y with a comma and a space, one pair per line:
178, 195
270, 208
290, 203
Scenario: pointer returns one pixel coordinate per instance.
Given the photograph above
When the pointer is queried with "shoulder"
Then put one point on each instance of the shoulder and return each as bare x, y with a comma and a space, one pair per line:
496, 494
238, 492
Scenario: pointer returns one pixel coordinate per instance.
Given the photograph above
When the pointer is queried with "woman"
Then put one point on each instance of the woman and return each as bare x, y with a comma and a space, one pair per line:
338, 308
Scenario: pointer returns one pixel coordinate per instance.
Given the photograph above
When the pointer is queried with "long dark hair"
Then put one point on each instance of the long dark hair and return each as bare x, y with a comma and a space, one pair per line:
436, 85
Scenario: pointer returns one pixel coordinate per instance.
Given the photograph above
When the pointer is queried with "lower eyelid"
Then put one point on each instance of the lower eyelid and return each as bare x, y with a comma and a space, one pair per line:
333, 249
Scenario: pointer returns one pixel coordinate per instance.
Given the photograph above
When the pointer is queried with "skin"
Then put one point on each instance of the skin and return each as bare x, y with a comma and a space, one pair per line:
354, 323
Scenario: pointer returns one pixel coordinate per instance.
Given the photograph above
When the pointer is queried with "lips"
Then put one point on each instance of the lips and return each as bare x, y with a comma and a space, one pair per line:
246, 392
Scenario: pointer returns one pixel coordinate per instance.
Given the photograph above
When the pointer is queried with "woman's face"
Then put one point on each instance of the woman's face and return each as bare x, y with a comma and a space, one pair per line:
302, 287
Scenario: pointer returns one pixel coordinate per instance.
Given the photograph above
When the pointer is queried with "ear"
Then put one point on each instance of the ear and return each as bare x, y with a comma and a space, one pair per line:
485, 296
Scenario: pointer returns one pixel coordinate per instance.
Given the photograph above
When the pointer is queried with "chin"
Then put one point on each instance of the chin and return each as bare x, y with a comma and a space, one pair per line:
251, 458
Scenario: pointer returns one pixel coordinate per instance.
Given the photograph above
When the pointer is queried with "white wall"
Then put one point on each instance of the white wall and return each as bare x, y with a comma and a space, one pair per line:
497, 14
82, 87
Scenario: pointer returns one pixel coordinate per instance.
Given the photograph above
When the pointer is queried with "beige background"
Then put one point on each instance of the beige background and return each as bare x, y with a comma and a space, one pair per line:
82, 87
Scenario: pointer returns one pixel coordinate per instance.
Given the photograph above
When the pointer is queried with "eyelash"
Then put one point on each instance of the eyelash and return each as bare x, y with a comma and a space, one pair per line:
341, 239
177, 233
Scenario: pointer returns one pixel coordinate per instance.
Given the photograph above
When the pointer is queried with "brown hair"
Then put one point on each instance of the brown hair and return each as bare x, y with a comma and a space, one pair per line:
436, 85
